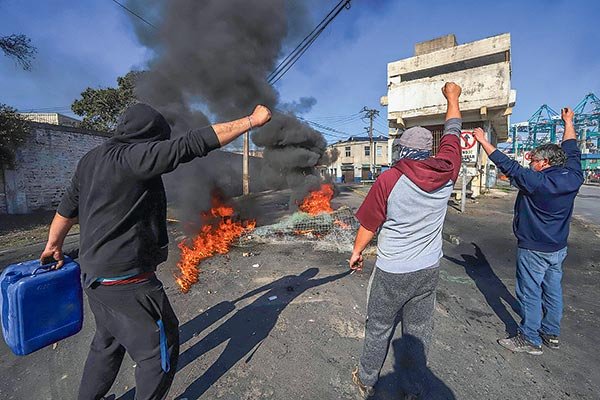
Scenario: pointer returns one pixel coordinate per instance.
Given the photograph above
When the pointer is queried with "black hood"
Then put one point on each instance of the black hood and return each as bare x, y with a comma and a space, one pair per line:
141, 123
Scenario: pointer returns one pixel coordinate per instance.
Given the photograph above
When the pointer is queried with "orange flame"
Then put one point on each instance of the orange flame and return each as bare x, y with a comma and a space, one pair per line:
215, 237
318, 201
306, 232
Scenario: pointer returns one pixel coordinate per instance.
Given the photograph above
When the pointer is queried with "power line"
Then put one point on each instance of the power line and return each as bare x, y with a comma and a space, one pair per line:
297, 48
338, 124
336, 116
289, 56
333, 136
288, 62
378, 131
284, 66
135, 14
319, 126
336, 120
379, 121
330, 129
344, 123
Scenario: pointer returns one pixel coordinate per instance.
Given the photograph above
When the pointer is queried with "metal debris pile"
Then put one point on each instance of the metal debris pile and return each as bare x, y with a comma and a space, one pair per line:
334, 231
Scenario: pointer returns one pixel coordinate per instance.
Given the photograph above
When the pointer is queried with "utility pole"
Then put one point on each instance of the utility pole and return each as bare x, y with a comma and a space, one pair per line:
371, 114
463, 190
245, 167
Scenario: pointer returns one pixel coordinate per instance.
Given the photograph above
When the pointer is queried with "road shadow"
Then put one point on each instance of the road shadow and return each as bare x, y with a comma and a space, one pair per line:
411, 374
493, 289
454, 204
191, 329
244, 331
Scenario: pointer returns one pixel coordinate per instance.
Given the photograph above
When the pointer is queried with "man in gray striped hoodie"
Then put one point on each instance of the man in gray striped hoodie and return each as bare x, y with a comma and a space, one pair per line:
407, 204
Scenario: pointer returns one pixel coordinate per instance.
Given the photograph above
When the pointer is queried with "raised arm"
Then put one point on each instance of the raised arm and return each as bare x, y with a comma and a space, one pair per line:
450, 152
567, 115
569, 144
451, 92
146, 160
229, 131
258, 290
485, 144
523, 178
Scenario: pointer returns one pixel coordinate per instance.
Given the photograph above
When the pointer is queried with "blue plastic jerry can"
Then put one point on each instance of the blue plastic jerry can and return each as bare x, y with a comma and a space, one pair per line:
40, 306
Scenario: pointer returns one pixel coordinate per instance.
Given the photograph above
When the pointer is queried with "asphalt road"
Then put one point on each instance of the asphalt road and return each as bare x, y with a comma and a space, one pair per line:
238, 342
587, 204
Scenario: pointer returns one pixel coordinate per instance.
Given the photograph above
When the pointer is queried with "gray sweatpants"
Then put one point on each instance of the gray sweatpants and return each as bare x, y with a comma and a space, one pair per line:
408, 299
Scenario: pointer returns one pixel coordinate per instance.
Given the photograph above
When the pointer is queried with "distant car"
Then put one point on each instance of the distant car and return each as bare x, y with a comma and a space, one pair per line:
594, 176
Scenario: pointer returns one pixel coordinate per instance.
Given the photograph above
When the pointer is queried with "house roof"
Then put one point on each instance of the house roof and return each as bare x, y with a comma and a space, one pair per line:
379, 138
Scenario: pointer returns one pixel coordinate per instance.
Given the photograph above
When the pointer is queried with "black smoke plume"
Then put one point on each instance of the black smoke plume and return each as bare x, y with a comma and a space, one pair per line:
210, 63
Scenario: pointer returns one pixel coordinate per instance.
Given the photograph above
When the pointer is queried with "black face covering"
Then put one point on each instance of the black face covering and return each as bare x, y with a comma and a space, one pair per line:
141, 123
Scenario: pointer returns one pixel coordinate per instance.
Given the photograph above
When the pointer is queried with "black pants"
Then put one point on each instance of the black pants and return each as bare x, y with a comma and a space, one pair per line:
128, 319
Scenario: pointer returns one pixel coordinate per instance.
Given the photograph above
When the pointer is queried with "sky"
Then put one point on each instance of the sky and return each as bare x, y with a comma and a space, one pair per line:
89, 43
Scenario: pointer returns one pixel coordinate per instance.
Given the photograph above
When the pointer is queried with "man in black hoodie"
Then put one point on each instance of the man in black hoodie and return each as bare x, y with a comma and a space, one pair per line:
118, 197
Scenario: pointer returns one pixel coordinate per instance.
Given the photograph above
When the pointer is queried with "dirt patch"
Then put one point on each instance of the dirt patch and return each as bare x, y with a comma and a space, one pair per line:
21, 230
347, 328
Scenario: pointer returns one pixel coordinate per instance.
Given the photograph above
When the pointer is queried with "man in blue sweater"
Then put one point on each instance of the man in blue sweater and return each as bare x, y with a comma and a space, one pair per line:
543, 212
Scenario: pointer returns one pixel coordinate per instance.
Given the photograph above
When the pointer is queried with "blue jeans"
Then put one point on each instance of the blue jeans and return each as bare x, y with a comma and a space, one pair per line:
539, 292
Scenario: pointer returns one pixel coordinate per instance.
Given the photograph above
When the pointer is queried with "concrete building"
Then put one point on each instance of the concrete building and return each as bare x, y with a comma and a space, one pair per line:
483, 70
357, 158
51, 118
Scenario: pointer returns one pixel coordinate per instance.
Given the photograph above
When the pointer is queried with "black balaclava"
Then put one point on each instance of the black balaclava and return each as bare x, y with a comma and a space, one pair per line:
141, 123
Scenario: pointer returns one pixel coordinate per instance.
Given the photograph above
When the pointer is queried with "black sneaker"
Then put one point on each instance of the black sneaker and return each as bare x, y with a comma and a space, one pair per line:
550, 341
518, 344
366, 392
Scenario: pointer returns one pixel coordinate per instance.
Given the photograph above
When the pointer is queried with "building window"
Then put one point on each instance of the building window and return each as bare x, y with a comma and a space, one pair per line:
367, 150
379, 151
347, 151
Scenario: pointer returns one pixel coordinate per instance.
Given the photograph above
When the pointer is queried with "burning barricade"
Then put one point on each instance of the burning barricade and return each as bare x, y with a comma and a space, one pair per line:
315, 222
219, 230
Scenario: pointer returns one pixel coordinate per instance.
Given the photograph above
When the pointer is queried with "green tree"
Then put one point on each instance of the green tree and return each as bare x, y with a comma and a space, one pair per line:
100, 108
20, 48
13, 132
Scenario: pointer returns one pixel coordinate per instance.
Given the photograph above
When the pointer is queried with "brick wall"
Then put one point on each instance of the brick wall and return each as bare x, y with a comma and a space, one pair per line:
45, 164
47, 161
2, 195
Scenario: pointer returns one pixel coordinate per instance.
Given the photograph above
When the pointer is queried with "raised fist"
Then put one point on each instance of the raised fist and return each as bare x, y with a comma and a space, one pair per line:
479, 135
567, 114
451, 91
260, 116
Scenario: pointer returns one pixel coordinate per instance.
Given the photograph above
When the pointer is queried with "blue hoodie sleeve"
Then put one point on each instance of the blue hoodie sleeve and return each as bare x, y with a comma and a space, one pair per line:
523, 178
146, 160
573, 158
